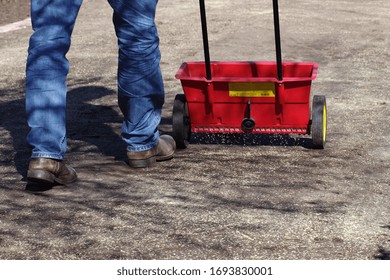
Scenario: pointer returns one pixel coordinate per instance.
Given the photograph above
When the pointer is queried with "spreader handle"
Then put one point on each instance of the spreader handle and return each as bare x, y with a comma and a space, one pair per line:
205, 39
277, 40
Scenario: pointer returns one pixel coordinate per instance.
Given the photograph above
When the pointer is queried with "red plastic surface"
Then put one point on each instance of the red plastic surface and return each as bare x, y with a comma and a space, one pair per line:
212, 108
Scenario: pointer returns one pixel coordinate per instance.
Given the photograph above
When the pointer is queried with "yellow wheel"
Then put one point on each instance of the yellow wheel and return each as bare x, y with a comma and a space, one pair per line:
319, 122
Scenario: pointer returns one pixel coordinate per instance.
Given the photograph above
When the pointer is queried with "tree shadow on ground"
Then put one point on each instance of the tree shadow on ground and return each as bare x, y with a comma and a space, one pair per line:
383, 253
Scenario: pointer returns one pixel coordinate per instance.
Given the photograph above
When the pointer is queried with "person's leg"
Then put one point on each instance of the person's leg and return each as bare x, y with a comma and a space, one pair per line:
140, 84
46, 71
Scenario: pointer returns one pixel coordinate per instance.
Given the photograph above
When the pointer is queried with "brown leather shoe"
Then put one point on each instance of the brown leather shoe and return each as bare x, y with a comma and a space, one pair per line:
163, 151
46, 170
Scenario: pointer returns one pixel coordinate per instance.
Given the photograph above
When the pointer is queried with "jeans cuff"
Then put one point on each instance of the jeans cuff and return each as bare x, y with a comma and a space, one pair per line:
141, 148
46, 155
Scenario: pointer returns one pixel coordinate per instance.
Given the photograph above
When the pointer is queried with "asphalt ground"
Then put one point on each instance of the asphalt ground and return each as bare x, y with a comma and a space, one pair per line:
221, 198
13, 10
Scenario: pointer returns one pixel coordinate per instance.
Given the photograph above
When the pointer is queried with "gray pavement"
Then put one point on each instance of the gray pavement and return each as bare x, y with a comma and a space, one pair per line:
13, 10
267, 198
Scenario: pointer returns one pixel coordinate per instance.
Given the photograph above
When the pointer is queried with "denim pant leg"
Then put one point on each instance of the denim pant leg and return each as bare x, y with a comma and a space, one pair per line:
140, 84
46, 71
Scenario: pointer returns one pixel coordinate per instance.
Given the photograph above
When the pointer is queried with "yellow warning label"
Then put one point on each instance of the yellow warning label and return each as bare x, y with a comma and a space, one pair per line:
252, 89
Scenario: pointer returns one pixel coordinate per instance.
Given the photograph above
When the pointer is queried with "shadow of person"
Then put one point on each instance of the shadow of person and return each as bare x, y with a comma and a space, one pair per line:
13, 123
90, 123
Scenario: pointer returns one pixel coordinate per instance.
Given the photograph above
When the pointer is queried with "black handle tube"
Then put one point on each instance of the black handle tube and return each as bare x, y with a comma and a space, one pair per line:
277, 40
205, 39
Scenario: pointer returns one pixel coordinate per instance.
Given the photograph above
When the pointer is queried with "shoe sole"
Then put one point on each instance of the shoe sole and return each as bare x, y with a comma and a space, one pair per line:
142, 163
40, 176
167, 157
45, 177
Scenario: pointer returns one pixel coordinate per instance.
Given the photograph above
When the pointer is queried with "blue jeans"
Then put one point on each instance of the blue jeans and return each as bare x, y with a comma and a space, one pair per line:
140, 84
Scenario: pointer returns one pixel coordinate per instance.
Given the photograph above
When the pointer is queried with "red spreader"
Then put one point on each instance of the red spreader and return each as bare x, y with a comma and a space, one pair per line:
248, 97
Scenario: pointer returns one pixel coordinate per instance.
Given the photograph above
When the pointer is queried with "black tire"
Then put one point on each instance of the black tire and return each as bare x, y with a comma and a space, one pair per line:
181, 124
319, 122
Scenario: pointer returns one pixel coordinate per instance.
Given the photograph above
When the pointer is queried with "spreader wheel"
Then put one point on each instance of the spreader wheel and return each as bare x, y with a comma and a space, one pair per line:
318, 126
181, 122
